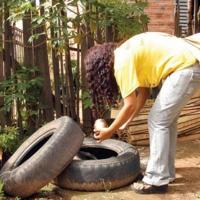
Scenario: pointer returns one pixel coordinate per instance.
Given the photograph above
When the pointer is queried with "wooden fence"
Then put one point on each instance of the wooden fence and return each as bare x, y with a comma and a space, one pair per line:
137, 131
188, 124
18, 44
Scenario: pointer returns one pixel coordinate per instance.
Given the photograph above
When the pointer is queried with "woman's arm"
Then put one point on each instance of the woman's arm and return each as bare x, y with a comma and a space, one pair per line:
143, 94
132, 105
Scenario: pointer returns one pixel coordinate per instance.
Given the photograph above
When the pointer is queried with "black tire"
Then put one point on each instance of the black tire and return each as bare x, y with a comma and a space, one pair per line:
41, 157
116, 164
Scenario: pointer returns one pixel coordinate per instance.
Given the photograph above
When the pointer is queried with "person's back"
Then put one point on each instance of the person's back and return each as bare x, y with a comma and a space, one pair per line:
147, 58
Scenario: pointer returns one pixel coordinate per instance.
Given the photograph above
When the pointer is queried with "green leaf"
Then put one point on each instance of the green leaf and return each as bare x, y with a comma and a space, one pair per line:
86, 99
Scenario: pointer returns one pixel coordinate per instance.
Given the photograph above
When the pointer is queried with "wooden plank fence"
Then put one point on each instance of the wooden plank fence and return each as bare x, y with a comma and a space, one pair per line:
188, 124
18, 44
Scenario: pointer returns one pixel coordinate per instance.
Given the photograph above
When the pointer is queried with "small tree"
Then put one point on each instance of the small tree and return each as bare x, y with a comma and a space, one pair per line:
50, 32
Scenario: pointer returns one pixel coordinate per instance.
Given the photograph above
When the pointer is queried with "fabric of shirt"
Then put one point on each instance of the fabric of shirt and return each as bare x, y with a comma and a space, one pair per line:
146, 59
193, 42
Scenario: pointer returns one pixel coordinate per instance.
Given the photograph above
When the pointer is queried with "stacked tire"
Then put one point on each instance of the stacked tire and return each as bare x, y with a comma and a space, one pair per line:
101, 166
59, 152
41, 157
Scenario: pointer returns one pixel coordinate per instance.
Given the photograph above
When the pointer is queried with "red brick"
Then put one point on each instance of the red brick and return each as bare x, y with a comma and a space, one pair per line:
161, 14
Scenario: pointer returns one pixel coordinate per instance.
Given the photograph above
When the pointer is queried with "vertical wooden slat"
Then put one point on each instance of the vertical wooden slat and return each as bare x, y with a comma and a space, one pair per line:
7, 52
56, 75
86, 43
2, 119
69, 78
78, 72
195, 19
183, 17
63, 93
68, 75
55, 61
190, 16
41, 60
28, 54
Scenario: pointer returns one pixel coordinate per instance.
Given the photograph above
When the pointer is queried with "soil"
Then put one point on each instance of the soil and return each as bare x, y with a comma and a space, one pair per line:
185, 187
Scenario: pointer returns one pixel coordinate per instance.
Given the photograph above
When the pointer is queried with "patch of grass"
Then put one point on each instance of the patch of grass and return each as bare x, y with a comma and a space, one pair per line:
2, 195
1, 190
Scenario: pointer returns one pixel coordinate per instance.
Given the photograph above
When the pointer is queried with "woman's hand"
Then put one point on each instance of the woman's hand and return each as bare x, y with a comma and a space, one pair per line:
102, 134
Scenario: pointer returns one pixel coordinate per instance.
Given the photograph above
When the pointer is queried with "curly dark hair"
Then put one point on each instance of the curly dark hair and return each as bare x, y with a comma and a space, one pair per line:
99, 62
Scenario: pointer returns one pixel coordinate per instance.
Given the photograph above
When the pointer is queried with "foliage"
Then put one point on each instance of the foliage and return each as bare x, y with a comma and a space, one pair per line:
60, 23
16, 87
86, 99
51, 16
1, 190
127, 18
23, 88
9, 139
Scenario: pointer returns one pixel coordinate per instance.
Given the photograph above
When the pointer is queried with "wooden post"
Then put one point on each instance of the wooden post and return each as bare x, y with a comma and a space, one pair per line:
7, 52
41, 60
86, 43
190, 16
2, 119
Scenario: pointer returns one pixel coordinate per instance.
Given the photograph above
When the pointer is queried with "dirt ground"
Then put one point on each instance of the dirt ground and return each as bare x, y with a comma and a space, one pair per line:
186, 186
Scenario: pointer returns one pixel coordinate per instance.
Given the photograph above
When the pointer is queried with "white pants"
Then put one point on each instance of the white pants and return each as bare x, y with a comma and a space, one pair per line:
177, 89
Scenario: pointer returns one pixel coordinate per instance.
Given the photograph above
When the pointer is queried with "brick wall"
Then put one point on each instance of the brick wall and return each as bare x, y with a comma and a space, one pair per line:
161, 14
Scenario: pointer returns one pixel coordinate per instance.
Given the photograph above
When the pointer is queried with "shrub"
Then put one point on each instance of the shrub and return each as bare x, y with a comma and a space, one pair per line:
9, 139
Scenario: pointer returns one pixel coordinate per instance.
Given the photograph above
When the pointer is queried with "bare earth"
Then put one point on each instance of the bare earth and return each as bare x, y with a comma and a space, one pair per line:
186, 186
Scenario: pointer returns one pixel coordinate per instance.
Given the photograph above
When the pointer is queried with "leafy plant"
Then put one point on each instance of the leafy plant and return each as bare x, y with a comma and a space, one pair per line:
9, 139
126, 18
1, 190
86, 99
22, 89
59, 24
18, 85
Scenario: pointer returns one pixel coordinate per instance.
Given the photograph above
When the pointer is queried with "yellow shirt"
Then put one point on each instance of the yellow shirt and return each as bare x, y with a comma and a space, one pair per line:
145, 59
193, 42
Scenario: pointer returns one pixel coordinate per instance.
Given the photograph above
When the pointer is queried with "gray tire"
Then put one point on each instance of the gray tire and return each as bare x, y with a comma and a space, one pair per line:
41, 157
101, 166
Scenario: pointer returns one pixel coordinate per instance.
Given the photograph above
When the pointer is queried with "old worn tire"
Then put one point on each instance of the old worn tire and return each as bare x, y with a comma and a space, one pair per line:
41, 157
117, 165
